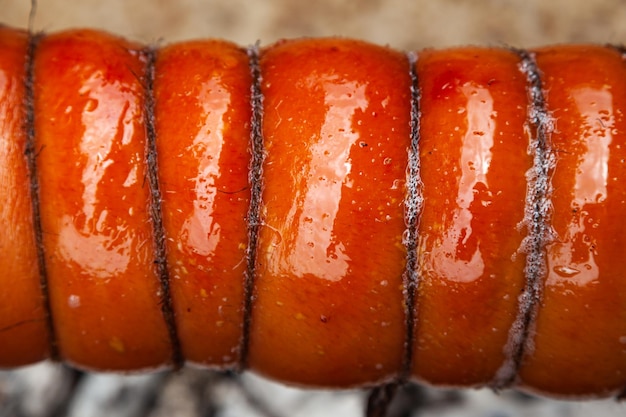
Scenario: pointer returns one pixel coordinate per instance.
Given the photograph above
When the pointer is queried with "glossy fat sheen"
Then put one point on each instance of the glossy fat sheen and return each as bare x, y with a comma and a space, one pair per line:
330, 257
23, 334
579, 346
329, 299
89, 103
474, 161
202, 119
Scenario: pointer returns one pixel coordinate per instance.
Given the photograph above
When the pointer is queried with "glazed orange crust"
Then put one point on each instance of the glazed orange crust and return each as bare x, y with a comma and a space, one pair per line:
328, 292
202, 118
473, 165
97, 232
579, 345
330, 277
23, 334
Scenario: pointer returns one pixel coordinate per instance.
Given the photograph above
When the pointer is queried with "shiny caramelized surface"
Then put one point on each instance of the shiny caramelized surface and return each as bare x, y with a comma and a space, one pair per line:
328, 292
202, 119
23, 335
579, 345
331, 302
473, 166
98, 238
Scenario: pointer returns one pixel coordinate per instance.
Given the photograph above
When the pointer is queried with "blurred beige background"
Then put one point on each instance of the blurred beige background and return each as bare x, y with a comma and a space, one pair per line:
399, 23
